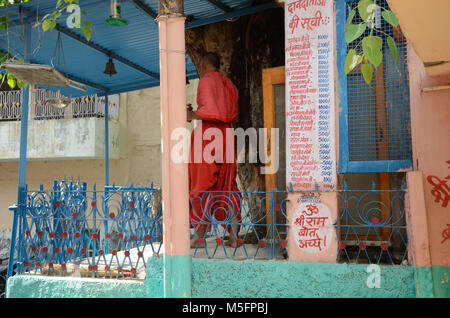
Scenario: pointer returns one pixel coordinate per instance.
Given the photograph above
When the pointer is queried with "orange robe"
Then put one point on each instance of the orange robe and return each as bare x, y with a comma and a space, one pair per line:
217, 98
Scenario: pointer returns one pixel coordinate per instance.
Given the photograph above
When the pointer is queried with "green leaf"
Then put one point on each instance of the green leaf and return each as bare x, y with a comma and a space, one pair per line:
4, 22
20, 84
11, 81
390, 18
351, 16
87, 32
366, 8
352, 61
48, 24
367, 72
354, 31
393, 47
372, 46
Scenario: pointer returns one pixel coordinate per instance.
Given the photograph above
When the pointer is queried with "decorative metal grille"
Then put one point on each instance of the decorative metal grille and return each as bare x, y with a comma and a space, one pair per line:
249, 216
10, 105
81, 107
371, 227
70, 231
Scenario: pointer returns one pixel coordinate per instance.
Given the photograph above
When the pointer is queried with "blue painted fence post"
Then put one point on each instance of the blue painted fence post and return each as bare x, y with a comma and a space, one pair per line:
19, 213
106, 141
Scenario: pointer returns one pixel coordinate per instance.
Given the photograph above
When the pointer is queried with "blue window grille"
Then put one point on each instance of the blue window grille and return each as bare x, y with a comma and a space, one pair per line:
374, 121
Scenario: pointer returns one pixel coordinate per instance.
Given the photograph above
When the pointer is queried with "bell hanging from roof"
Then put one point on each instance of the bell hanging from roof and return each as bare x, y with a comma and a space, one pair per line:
115, 18
110, 69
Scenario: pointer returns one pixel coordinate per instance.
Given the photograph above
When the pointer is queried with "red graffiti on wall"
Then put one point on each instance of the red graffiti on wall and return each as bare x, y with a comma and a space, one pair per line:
446, 234
309, 226
441, 190
308, 23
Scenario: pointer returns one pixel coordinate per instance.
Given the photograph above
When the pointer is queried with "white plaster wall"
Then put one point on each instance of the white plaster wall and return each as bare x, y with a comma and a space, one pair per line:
60, 139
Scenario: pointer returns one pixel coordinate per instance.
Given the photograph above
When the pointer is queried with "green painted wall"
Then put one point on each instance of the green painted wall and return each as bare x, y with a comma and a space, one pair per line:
227, 278
441, 278
296, 279
34, 286
177, 278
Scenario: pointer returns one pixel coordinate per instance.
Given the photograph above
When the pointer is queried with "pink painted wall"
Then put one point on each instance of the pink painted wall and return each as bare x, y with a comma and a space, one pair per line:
430, 132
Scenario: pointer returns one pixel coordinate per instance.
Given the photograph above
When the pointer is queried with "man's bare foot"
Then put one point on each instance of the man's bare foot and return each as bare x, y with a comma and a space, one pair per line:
195, 242
232, 243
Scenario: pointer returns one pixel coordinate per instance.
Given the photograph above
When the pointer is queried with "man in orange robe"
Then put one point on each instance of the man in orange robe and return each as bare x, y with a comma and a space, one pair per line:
212, 174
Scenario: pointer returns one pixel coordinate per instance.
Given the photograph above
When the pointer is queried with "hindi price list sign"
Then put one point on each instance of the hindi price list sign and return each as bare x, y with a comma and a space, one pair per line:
309, 66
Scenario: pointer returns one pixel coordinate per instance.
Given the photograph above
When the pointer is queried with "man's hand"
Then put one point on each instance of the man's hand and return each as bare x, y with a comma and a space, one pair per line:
189, 111
191, 116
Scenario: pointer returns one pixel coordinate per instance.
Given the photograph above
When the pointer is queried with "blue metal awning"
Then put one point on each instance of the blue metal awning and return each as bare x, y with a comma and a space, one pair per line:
134, 48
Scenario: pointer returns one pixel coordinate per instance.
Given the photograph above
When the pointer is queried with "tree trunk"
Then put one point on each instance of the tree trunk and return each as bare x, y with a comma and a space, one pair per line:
246, 46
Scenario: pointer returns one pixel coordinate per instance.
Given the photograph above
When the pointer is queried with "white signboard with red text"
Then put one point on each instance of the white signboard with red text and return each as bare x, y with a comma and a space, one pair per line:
310, 141
312, 227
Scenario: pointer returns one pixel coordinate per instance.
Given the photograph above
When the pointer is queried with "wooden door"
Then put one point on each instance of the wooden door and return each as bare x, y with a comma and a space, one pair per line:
273, 80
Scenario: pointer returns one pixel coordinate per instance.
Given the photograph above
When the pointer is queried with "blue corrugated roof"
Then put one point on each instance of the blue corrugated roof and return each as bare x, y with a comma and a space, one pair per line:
136, 45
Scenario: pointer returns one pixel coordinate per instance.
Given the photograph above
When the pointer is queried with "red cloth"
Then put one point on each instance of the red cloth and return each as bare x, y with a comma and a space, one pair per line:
217, 98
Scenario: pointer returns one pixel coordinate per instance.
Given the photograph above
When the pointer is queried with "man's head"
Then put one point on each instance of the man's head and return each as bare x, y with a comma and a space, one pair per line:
210, 62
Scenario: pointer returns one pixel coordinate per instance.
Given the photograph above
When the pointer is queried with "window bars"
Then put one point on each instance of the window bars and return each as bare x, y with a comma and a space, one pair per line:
377, 125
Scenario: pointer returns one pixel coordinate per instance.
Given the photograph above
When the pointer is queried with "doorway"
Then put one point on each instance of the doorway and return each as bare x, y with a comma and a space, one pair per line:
273, 80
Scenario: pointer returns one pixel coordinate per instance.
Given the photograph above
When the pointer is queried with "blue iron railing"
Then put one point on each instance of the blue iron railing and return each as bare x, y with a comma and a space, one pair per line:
111, 233
371, 227
73, 231
254, 219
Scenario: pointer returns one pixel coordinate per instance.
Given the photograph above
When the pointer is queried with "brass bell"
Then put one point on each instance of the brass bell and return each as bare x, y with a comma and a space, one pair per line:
110, 68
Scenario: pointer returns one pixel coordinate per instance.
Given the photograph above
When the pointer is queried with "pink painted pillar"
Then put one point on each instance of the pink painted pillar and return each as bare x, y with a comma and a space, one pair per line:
418, 234
175, 187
